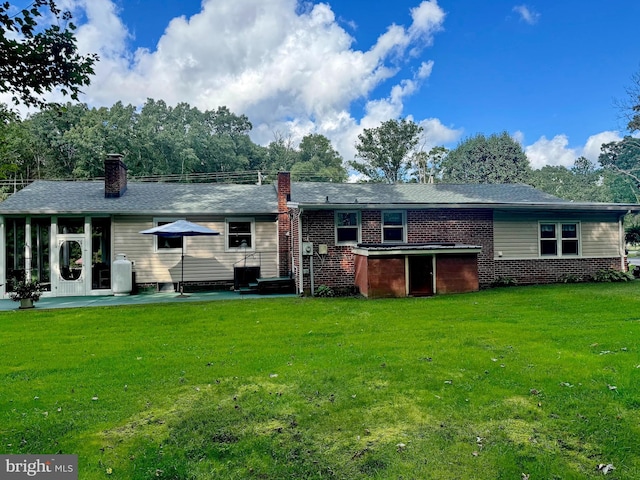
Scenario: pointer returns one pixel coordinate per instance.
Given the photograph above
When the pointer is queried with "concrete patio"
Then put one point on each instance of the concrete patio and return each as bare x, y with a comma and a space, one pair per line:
140, 299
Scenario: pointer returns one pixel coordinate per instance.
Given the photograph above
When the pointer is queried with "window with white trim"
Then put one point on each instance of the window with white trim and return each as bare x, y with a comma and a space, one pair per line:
347, 227
240, 234
167, 244
394, 226
561, 239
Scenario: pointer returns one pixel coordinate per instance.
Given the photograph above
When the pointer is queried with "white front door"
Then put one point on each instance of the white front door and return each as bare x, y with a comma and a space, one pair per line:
72, 265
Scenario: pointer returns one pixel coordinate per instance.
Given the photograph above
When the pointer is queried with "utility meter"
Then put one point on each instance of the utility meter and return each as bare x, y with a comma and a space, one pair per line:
307, 248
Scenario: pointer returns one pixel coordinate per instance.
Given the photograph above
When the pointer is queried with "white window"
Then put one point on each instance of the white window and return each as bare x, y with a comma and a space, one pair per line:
560, 239
347, 227
167, 244
394, 226
240, 234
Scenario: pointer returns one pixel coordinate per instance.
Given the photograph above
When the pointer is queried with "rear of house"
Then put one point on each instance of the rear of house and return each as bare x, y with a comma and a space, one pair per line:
376, 239
66, 235
416, 239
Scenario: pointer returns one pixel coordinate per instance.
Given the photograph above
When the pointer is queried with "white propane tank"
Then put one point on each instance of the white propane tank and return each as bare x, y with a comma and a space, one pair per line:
122, 275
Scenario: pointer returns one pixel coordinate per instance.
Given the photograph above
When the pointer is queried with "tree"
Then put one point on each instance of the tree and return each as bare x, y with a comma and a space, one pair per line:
583, 182
497, 159
318, 161
35, 60
623, 158
386, 150
630, 107
427, 166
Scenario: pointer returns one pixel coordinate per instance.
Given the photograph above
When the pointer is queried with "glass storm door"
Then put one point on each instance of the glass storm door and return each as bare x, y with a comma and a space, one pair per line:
71, 266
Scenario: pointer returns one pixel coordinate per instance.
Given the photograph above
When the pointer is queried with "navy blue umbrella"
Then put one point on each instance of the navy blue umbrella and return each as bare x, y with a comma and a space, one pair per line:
180, 229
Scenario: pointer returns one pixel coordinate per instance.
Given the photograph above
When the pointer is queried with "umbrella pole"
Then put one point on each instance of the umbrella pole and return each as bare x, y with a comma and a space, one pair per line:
182, 271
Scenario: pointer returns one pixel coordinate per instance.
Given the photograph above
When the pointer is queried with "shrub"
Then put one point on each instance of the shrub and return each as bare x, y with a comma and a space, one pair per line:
632, 234
570, 278
324, 291
612, 275
504, 282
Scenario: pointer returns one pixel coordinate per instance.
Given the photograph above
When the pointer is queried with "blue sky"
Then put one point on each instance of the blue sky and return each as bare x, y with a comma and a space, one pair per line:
547, 72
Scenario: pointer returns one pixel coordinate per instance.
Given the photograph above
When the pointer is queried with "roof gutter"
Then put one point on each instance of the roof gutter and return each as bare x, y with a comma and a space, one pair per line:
507, 206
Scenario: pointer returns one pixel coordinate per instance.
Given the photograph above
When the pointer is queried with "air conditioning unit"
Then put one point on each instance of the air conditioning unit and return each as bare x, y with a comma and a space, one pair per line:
307, 248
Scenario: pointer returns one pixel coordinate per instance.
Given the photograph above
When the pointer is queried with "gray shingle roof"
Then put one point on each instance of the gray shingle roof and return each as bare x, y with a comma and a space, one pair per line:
49, 197
53, 197
408, 193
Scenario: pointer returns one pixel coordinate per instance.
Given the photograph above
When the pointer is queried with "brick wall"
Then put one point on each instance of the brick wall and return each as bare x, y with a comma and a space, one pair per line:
284, 224
552, 270
466, 226
115, 176
337, 269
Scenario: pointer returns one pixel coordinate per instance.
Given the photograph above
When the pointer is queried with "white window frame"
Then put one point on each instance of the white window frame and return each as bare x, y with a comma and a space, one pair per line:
229, 220
403, 226
559, 239
337, 227
156, 238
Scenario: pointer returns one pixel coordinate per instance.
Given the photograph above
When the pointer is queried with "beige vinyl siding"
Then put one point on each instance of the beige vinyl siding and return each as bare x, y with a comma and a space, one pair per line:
205, 258
516, 233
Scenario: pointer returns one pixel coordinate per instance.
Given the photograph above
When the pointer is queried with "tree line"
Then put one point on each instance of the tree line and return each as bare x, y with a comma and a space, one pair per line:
71, 142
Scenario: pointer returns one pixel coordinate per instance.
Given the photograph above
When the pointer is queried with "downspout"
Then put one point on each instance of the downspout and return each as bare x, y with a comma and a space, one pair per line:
311, 275
300, 269
623, 242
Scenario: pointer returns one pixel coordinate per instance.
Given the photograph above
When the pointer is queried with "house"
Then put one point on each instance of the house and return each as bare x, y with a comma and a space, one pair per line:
67, 234
423, 239
383, 240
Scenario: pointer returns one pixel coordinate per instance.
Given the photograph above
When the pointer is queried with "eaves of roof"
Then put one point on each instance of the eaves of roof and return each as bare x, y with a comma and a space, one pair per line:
576, 206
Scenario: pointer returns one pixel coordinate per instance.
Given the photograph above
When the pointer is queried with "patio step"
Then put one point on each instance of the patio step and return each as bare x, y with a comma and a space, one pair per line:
250, 288
276, 285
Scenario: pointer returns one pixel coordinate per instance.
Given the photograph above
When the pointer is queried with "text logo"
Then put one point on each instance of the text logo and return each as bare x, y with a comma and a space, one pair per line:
47, 467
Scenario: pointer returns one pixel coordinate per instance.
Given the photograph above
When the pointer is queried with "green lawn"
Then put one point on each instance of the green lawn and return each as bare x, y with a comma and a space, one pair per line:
543, 381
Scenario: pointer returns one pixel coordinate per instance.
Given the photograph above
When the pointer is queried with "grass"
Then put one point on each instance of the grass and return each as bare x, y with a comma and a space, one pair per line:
543, 381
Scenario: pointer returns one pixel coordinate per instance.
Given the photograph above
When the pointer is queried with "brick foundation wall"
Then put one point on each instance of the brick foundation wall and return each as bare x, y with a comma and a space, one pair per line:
536, 271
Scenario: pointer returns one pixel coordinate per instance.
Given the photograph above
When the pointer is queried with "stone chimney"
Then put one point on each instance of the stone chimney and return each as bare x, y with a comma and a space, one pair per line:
115, 176
284, 223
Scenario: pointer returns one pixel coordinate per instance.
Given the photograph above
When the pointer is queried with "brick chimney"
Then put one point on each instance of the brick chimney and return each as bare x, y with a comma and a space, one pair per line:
115, 176
284, 223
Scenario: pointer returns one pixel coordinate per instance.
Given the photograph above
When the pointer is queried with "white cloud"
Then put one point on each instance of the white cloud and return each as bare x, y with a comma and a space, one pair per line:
591, 149
290, 71
551, 152
558, 152
527, 14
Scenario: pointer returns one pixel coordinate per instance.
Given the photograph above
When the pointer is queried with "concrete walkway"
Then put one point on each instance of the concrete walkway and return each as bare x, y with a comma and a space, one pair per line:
141, 299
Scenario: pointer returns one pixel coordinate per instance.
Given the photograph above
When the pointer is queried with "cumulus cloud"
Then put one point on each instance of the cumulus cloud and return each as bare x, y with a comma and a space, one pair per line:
291, 69
527, 14
592, 147
557, 152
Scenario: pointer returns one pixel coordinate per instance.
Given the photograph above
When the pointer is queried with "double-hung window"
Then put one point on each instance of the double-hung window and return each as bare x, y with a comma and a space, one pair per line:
240, 234
347, 227
394, 226
561, 239
167, 244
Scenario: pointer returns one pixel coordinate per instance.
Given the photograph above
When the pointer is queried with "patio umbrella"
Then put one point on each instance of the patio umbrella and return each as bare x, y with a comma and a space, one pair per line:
180, 229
